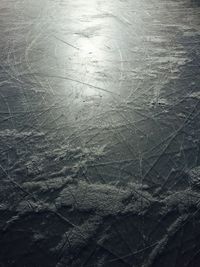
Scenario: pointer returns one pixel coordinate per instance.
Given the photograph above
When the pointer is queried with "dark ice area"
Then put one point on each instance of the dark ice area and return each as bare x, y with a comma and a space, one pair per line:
99, 133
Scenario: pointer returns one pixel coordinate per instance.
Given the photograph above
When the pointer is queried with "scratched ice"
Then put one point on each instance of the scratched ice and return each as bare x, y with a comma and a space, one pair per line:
99, 133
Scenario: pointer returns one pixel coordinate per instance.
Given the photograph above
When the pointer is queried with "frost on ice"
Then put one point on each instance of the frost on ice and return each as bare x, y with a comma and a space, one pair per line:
99, 133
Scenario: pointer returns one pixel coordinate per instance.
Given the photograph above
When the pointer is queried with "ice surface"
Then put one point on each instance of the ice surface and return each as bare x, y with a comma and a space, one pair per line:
99, 133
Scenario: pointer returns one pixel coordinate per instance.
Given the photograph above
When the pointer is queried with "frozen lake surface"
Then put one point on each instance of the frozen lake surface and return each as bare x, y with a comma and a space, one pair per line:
99, 133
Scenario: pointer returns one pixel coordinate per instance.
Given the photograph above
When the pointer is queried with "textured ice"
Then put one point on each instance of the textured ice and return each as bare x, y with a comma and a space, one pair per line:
99, 133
